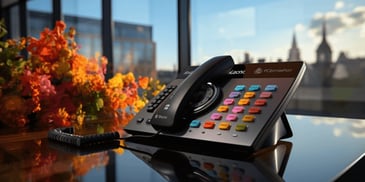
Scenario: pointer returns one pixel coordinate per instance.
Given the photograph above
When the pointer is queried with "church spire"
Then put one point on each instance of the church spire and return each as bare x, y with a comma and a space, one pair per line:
324, 52
294, 53
294, 41
324, 33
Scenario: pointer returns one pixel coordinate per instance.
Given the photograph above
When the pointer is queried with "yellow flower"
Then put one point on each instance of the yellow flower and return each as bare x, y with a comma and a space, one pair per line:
116, 81
129, 77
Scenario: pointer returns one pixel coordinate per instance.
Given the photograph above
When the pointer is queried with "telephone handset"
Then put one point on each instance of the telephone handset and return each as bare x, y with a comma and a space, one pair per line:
172, 115
220, 103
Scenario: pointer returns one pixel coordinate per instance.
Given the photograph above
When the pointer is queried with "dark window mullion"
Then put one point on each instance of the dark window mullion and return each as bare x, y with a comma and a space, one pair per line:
23, 22
107, 35
57, 11
184, 58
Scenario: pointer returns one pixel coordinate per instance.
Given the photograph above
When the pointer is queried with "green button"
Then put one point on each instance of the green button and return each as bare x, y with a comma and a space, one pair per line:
241, 127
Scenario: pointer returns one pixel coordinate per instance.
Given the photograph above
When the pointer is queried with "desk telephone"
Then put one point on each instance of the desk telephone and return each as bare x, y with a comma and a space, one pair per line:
216, 104
220, 103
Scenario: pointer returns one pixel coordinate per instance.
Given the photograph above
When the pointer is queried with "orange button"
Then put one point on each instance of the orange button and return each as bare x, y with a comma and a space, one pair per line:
209, 124
249, 95
243, 102
248, 118
222, 108
224, 125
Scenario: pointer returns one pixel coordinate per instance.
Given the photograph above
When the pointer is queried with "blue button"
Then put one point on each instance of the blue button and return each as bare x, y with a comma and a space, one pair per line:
254, 88
195, 123
239, 88
271, 88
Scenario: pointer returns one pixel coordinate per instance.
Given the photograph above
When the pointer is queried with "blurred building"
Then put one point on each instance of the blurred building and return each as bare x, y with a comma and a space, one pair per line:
133, 46
330, 87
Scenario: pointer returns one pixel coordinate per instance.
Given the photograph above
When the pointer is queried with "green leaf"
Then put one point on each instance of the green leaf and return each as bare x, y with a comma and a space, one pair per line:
99, 103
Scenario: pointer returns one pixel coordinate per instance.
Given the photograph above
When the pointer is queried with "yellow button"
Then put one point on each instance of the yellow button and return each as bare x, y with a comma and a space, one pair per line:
224, 125
248, 118
249, 95
243, 102
222, 108
241, 127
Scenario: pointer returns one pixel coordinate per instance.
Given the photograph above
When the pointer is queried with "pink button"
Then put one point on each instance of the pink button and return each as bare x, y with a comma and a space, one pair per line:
231, 117
228, 101
266, 95
238, 109
216, 116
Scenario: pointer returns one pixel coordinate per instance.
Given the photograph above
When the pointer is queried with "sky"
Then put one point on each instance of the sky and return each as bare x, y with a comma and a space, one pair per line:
262, 28
265, 29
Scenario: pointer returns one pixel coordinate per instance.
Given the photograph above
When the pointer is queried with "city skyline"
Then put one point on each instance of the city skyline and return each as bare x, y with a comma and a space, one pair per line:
262, 28
271, 40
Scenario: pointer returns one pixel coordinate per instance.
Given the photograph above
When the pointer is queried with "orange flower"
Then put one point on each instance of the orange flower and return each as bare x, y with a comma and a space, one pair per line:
64, 86
143, 82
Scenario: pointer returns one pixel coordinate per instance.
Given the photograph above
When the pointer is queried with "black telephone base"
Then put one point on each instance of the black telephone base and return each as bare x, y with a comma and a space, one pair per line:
248, 114
281, 130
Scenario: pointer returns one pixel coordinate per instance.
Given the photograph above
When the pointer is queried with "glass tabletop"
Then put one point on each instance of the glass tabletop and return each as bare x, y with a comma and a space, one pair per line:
320, 148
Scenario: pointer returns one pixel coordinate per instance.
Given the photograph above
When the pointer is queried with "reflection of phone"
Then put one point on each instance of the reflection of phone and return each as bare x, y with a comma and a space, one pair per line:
265, 165
223, 103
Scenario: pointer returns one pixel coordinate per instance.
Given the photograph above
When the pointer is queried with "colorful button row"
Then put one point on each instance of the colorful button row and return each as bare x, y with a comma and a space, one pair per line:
246, 95
240, 109
223, 125
226, 124
232, 117
270, 87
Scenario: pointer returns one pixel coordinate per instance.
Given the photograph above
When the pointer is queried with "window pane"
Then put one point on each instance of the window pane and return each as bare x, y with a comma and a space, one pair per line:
85, 16
145, 37
14, 22
329, 37
40, 16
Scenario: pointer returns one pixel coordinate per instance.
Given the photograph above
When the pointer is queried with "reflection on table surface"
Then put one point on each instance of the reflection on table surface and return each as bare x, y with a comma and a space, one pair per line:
320, 148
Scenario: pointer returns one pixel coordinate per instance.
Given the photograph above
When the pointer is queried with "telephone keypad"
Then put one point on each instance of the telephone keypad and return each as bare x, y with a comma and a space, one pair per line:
233, 110
159, 98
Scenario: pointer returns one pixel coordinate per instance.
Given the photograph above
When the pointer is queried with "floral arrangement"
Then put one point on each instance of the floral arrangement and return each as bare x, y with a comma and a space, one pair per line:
56, 86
